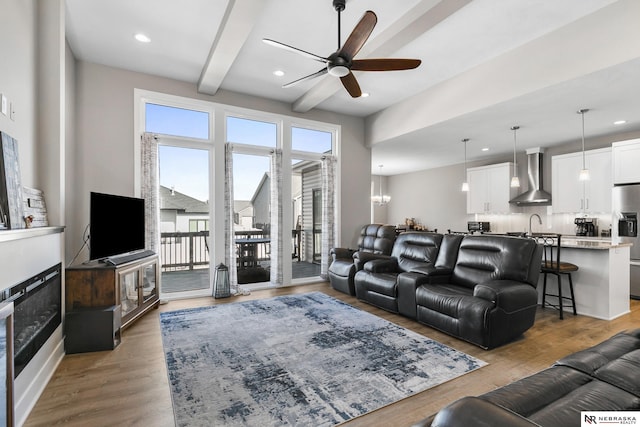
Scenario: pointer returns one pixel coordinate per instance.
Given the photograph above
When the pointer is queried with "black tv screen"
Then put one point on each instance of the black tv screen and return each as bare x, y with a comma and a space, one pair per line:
116, 225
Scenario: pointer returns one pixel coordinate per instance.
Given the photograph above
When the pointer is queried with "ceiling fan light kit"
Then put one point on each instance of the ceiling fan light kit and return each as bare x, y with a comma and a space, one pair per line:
341, 63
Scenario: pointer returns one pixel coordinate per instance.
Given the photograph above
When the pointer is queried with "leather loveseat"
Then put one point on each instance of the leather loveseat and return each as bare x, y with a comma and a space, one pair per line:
601, 378
377, 278
485, 294
374, 239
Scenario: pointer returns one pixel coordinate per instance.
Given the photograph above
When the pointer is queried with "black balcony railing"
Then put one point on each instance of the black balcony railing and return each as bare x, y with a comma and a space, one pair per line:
184, 251
189, 251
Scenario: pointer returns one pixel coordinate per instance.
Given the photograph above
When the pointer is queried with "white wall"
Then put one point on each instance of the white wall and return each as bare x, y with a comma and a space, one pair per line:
18, 80
432, 197
50, 100
72, 215
104, 126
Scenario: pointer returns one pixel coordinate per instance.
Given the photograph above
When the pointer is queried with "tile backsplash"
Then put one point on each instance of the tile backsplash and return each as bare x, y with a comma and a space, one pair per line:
555, 223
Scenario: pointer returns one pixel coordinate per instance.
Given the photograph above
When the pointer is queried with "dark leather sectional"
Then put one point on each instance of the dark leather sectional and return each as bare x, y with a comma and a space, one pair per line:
481, 288
605, 377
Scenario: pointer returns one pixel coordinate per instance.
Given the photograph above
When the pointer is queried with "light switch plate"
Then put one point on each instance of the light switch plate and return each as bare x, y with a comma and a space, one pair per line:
12, 112
4, 104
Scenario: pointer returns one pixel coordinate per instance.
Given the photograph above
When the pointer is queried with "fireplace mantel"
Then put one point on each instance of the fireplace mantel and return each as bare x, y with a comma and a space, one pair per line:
25, 233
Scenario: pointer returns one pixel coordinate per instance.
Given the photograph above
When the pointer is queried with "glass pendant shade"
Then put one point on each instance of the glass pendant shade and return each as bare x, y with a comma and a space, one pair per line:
584, 172
465, 184
515, 181
584, 175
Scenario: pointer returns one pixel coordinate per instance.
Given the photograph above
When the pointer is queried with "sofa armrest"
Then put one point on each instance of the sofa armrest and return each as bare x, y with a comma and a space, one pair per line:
426, 270
440, 275
341, 253
360, 258
383, 265
508, 295
475, 412
408, 283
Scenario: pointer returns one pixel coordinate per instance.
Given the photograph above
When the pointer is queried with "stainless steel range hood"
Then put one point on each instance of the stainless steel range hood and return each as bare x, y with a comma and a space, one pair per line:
535, 195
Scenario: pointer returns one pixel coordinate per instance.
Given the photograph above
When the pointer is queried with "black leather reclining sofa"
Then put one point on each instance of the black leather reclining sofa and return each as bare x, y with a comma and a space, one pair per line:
605, 377
480, 288
374, 239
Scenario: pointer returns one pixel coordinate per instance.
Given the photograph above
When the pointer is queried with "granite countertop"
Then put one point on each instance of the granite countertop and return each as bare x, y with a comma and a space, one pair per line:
579, 242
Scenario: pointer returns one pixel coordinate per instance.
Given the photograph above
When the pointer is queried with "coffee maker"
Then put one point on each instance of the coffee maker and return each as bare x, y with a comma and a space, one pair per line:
586, 226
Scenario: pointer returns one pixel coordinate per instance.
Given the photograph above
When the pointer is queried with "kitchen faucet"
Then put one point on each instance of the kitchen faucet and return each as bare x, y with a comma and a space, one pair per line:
530, 218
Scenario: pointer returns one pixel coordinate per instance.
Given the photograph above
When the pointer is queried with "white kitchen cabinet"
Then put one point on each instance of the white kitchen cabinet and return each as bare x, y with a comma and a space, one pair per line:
626, 158
489, 188
570, 195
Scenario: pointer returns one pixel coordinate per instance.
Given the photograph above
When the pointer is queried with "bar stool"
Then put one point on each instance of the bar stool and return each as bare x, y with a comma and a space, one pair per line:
551, 264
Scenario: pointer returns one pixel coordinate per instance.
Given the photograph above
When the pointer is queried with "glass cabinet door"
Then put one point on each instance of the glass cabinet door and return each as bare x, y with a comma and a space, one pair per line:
149, 285
129, 282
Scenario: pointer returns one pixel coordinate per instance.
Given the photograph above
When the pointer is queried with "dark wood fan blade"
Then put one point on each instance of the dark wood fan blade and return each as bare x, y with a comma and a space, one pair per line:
295, 50
384, 64
359, 35
309, 77
351, 85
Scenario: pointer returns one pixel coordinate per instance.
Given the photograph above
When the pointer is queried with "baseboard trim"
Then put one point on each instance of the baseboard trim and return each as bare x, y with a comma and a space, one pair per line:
36, 375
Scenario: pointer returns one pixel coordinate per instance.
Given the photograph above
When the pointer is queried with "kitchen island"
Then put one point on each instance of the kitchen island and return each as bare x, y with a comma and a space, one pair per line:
601, 284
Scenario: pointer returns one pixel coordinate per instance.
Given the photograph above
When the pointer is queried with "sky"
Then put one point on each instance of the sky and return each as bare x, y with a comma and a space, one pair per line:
186, 169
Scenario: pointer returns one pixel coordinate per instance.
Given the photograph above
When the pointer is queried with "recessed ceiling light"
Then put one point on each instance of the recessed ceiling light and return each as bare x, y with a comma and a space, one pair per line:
619, 122
142, 38
278, 73
364, 95
485, 149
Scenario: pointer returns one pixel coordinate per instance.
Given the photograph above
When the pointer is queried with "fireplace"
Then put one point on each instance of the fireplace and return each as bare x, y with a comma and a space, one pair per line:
37, 313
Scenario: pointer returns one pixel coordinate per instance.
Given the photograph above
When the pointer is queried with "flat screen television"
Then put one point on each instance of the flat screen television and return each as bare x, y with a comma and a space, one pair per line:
116, 225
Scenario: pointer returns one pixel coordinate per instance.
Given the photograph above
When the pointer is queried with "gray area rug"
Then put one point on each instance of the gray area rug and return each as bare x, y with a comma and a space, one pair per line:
299, 360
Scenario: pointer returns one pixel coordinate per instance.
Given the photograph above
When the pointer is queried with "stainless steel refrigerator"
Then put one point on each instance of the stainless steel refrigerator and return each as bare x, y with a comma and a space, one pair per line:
626, 208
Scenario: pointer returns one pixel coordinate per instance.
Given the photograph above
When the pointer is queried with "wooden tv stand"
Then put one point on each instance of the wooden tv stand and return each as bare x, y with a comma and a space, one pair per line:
133, 286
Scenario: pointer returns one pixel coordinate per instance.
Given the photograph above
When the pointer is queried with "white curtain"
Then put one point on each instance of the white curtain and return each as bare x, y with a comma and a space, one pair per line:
329, 223
229, 232
150, 190
277, 255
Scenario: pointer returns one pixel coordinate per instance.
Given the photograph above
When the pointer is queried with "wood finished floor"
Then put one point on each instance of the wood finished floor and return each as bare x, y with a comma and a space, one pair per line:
129, 386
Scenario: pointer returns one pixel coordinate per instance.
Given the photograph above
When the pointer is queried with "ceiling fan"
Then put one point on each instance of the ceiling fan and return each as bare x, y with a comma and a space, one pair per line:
341, 62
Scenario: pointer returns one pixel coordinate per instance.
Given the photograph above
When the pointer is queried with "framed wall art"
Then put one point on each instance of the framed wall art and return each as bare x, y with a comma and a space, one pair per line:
11, 198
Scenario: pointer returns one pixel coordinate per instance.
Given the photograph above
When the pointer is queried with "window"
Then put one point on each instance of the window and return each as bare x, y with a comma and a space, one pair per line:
311, 140
192, 208
196, 225
251, 132
176, 121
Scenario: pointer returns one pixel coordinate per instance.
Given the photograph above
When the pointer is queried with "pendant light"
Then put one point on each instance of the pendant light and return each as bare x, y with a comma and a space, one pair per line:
380, 199
465, 183
584, 173
515, 181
